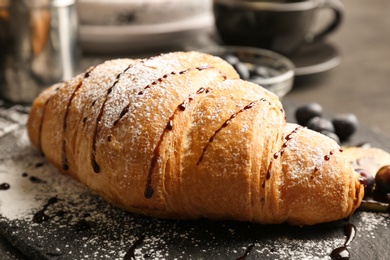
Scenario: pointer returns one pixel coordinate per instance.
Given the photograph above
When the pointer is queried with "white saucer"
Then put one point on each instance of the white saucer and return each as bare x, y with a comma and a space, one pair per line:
116, 39
315, 58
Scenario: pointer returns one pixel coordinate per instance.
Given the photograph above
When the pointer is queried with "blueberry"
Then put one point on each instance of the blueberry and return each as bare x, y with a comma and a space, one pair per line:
345, 125
306, 112
367, 180
382, 179
320, 124
242, 70
331, 135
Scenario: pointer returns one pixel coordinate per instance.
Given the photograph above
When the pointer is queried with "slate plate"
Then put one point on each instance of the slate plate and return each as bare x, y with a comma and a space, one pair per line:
76, 224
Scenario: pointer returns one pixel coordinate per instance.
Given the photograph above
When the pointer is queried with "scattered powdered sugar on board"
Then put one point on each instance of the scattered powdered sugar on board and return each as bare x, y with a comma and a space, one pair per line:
47, 215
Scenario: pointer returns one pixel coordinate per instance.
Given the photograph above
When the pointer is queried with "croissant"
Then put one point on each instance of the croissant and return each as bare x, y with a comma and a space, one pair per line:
179, 135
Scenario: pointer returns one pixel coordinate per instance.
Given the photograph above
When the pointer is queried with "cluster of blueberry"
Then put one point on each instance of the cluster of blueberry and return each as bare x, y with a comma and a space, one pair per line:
339, 128
250, 72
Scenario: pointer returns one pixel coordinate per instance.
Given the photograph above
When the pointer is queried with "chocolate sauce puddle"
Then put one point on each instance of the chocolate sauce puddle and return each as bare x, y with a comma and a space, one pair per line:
41, 216
4, 186
342, 252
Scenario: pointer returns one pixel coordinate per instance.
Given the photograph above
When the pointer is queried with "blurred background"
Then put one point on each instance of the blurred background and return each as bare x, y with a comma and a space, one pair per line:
347, 71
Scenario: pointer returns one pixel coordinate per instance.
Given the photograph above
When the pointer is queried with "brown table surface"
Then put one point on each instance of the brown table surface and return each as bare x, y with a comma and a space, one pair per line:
360, 84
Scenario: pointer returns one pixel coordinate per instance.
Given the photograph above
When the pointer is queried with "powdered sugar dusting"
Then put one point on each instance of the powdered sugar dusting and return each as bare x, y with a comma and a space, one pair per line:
110, 233
300, 170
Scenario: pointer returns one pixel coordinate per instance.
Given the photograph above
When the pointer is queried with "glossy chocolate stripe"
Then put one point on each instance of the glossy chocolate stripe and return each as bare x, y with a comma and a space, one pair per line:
64, 159
169, 126
281, 150
225, 124
95, 165
125, 110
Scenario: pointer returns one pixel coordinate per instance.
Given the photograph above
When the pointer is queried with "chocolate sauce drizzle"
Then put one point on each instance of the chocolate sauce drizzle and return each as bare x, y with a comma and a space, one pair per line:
225, 124
4, 186
155, 82
64, 159
280, 152
34, 179
327, 156
39, 164
131, 252
169, 126
342, 252
247, 252
41, 216
95, 165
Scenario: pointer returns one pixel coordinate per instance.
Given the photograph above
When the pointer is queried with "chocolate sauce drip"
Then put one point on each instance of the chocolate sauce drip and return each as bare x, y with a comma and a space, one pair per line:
169, 125
342, 252
247, 252
36, 180
95, 165
268, 176
281, 151
4, 186
156, 152
149, 189
122, 114
327, 157
64, 158
131, 252
225, 124
38, 165
41, 216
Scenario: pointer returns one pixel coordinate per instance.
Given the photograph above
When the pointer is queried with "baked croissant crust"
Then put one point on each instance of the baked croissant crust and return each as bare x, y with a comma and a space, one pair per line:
180, 136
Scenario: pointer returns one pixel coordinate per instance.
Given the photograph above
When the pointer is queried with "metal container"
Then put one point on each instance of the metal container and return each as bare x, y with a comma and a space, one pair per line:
38, 41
